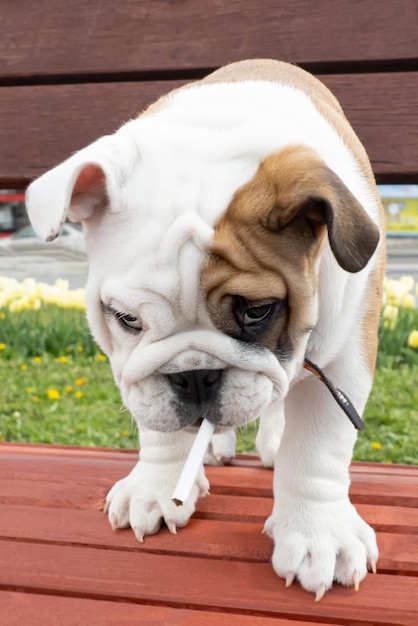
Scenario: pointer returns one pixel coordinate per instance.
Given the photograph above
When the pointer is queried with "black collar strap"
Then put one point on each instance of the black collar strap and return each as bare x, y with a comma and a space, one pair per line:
337, 394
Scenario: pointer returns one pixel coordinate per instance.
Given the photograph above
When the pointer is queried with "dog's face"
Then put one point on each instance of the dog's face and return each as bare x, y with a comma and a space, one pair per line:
203, 270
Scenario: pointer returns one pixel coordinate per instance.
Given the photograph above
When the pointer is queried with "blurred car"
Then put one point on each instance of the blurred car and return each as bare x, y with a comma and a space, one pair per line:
70, 243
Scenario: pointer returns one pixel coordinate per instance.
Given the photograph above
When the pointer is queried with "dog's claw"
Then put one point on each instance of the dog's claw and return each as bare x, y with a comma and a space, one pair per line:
113, 521
105, 507
290, 579
268, 529
320, 592
356, 581
373, 566
139, 535
172, 527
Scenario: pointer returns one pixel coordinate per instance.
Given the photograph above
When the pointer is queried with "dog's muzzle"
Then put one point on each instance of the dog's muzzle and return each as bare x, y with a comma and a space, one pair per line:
178, 381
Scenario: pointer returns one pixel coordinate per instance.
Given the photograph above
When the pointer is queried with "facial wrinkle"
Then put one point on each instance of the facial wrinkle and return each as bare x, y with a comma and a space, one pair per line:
184, 246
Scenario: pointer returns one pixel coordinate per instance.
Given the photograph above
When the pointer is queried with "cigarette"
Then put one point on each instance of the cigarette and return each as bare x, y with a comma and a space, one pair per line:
193, 463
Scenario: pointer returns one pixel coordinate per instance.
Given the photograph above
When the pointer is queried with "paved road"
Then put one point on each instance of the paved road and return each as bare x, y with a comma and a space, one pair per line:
402, 259
45, 268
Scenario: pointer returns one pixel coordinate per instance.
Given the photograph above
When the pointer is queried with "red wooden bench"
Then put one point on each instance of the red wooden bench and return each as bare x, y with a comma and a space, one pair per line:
70, 72
60, 563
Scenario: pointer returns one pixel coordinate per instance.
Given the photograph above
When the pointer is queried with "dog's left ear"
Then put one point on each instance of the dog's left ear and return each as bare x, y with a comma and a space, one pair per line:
309, 192
87, 182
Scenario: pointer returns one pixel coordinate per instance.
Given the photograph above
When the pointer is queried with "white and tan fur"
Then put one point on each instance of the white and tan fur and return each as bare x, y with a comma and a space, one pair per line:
245, 187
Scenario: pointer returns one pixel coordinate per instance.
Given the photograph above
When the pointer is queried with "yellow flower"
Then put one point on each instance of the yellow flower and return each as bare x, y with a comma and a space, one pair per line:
407, 282
2, 346
101, 357
61, 359
31, 295
80, 348
68, 389
397, 290
80, 381
61, 284
53, 394
78, 394
413, 339
2, 316
390, 316
376, 445
15, 306
29, 389
23, 367
408, 301
125, 433
36, 398
37, 359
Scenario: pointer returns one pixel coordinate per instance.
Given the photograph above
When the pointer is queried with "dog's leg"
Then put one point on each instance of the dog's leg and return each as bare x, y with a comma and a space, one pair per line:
270, 432
143, 499
222, 448
319, 536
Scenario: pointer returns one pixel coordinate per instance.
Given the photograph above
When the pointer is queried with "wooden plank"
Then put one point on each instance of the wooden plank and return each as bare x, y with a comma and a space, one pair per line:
52, 493
231, 493
381, 110
27, 609
84, 38
60, 119
235, 540
93, 472
31, 452
233, 506
199, 583
226, 540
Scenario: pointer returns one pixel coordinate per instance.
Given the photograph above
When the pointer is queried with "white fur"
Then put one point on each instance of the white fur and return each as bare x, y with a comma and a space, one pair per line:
169, 176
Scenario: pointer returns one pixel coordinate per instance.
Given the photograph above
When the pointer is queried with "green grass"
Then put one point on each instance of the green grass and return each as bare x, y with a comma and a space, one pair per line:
391, 417
72, 401
58, 388
89, 411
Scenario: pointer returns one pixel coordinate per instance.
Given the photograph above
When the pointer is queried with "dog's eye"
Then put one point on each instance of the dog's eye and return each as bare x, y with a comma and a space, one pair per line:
128, 321
252, 313
256, 314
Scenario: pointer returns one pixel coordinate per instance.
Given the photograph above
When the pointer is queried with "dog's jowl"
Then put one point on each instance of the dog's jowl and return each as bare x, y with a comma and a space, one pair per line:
233, 231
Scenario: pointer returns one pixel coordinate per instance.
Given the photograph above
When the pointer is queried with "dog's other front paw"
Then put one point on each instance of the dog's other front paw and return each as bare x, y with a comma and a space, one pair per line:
321, 543
143, 499
221, 450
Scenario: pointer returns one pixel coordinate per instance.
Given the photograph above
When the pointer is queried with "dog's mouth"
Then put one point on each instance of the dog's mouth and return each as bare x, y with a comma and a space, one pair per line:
194, 426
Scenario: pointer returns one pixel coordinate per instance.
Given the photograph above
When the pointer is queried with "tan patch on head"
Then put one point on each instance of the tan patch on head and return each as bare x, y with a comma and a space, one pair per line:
267, 242
253, 258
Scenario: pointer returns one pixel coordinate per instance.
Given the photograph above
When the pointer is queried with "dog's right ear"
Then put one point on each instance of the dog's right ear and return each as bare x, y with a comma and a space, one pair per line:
88, 181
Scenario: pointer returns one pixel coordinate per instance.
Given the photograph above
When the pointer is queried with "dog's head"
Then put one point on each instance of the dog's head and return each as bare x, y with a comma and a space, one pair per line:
203, 268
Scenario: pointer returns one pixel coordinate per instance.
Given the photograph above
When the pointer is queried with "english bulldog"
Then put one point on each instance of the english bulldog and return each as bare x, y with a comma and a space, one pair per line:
234, 235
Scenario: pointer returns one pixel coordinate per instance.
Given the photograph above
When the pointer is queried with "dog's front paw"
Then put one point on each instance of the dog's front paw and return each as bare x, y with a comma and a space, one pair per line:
322, 543
143, 499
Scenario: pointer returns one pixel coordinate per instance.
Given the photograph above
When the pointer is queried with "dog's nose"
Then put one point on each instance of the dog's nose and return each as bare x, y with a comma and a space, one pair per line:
196, 386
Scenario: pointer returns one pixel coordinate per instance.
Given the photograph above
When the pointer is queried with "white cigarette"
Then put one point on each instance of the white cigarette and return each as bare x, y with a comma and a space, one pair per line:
193, 463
